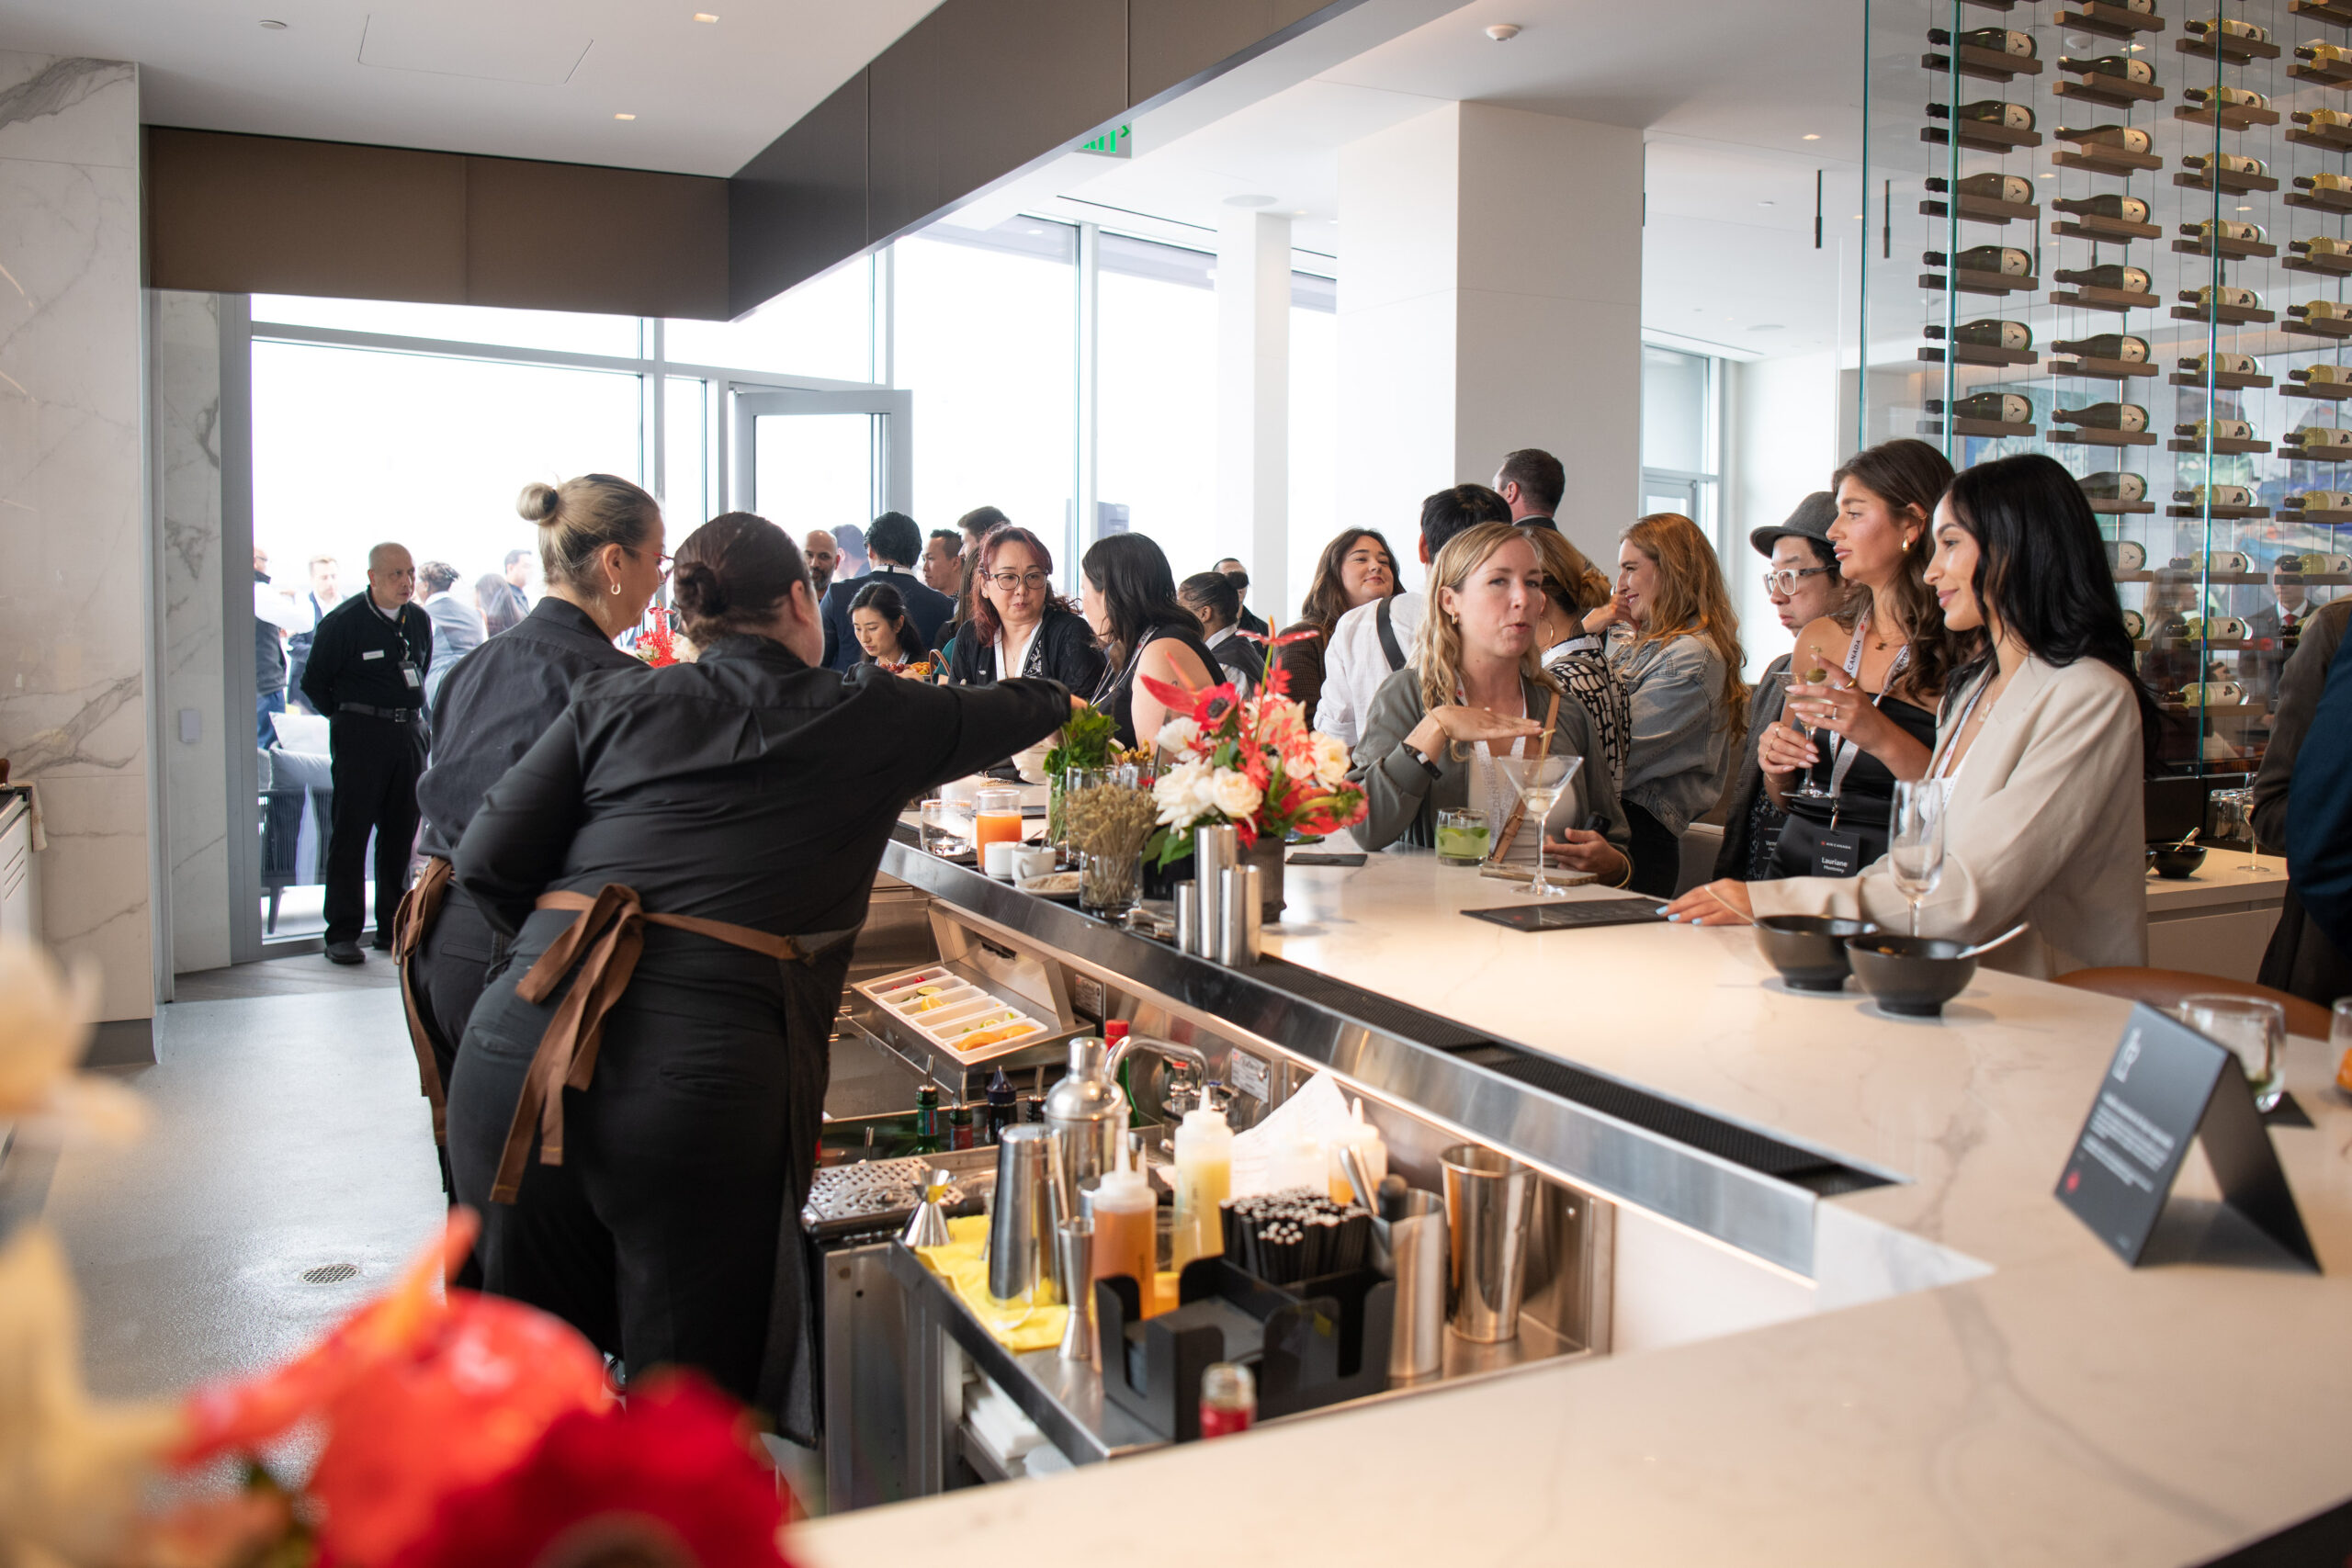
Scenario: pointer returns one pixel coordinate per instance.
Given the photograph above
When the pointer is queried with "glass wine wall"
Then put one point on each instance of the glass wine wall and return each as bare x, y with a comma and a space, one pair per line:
2118, 236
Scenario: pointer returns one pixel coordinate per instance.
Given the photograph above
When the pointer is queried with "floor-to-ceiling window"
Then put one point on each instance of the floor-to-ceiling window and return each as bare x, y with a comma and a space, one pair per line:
1314, 426
1158, 403
1680, 473
984, 332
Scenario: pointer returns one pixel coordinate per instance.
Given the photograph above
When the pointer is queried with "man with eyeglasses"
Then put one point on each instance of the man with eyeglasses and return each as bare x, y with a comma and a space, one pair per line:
1805, 586
894, 543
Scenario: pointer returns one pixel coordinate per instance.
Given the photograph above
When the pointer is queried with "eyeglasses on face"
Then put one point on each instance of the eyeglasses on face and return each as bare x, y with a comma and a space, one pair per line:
666, 562
1786, 579
1013, 581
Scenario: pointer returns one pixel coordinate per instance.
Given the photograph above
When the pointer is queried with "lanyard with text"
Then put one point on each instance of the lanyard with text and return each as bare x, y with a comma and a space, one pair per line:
1947, 736
1843, 752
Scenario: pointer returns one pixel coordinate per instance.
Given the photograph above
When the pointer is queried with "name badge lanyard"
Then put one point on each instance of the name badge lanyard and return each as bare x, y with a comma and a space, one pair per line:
1843, 752
1941, 766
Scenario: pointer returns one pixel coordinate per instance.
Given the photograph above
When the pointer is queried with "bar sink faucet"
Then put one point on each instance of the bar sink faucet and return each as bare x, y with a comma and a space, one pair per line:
1169, 1051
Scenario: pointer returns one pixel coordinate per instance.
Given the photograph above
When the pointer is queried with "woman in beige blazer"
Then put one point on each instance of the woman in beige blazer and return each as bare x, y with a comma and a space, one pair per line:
2041, 744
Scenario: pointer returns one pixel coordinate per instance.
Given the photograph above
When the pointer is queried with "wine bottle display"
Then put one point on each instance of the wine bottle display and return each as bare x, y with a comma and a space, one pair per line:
1997, 188
2223, 361
2127, 279
1993, 333
2224, 229
2122, 66
2316, 501
1993, 111
2000, 41
2131, 138
2229, 97
2324, 181
2321, 245
2218, 429
2128, 208
2227, 294
2110, 485
2105, 416
2109, 345
2215, 495
2321, 438
2321, 310
2225, 163
2007, 260
2008, 408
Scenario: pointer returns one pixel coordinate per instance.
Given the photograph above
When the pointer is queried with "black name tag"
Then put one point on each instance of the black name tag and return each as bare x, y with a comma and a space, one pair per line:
2166, 1085
1837, 854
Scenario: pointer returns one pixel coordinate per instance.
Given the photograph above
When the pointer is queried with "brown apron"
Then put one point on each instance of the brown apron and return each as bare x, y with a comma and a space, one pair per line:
604, 943
420, 906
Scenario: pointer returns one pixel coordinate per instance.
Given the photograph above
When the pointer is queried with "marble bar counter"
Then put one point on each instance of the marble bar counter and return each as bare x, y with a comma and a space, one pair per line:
1964, 1375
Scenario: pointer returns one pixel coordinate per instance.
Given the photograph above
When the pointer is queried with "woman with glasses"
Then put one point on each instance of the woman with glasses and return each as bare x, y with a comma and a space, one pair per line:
2044, 736
1804, 585
1867, 681
1680, 665
1016, 625
1130, 598
600, 551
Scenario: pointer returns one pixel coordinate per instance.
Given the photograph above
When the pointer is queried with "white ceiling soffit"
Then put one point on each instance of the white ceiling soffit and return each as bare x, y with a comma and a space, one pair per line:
506, 78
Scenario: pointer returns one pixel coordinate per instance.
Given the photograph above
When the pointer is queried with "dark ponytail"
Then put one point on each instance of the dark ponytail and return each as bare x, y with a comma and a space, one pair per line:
731, 575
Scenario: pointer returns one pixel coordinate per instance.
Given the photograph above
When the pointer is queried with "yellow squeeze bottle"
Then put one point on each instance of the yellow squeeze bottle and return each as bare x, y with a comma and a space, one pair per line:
1204, 1181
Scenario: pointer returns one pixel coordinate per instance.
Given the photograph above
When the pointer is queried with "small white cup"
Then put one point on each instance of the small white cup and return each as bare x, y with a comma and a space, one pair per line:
999, 862
1032, 859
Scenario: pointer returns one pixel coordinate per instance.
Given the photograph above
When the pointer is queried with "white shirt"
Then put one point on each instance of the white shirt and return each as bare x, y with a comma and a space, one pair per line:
1355, 665
1245, 684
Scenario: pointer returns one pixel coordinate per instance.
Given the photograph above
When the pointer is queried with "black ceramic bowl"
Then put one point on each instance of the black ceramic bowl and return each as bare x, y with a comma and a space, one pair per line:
2176, 862
1809, 950
1915, 976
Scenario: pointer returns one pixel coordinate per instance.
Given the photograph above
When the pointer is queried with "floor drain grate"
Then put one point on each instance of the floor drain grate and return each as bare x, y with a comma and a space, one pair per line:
330, 1273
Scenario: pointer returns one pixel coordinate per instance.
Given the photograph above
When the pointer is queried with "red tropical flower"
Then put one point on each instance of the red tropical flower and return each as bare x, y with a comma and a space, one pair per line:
671, 1474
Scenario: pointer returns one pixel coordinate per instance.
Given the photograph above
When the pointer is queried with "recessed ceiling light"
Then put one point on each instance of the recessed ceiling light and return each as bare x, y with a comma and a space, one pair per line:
704, 16
624, 117
1251, 201
1766, 327
1813, 136
273, 24
1763, 203
2048, 177
1503, 32
2245, 209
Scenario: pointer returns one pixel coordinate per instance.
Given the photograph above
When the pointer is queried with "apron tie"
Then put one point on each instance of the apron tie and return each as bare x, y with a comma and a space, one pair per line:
420, 906
604, 944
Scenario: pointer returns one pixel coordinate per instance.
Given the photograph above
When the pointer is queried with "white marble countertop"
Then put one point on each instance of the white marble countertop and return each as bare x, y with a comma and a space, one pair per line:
2223, 878
2055, 1407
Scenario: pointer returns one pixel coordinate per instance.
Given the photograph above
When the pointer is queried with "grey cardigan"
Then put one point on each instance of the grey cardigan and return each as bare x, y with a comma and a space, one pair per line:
1402, 800
1682, 754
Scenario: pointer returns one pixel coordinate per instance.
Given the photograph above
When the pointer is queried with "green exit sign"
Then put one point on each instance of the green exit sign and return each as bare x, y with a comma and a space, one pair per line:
1110, 144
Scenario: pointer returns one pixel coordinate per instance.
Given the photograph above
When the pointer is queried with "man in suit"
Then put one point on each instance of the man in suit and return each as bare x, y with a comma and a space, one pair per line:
894, 543
457, 626
2271, 633
1239, 575
1532, 481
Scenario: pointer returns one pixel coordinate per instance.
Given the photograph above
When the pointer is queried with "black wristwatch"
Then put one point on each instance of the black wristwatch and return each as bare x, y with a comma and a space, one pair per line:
1421, 756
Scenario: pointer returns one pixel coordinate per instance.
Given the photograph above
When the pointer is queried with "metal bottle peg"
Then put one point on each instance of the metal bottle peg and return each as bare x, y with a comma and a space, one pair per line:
1213, 849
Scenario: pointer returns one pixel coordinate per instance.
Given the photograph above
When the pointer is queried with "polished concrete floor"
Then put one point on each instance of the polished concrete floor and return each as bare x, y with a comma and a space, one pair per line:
288, 1138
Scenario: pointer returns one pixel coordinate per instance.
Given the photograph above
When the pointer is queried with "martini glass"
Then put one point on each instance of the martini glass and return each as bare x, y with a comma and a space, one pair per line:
1539, 783
1816, 671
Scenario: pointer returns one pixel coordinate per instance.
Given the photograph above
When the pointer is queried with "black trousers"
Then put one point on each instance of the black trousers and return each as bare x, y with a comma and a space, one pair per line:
451, 967
377, 764
1658, 853
671, 1232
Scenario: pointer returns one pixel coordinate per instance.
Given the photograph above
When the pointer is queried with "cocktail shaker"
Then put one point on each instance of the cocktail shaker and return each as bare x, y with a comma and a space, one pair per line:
1488, 1197
1021, 1235
1088, 1111
1418, 1260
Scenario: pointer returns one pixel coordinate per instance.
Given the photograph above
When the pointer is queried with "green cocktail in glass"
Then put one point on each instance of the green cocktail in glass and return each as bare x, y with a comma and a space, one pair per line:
1463, 838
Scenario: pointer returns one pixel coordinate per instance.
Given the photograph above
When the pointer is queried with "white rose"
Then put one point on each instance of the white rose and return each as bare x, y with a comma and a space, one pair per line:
1182, 794
1178, 736
1331, 759
1232, 793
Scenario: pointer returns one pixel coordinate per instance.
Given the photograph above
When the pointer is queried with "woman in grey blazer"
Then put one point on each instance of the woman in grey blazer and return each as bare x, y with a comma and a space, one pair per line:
1476, 689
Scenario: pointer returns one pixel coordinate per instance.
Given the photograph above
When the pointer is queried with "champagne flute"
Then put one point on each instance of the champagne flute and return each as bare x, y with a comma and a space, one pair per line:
1915, 841
1816, 670
1539, 783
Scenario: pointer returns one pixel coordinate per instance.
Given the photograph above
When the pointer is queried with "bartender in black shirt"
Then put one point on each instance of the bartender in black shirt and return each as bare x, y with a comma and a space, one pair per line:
366, 675
682, 860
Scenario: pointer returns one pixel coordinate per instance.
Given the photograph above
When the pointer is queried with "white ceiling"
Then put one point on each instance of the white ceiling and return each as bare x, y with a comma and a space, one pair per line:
514, 78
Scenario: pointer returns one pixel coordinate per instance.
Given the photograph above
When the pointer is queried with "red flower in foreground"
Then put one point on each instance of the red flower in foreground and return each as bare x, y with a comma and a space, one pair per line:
658, 644
670, 1475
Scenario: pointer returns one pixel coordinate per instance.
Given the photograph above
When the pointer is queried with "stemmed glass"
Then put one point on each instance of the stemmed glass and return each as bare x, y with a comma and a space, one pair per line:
1539, 783
1915, 840
2234, 809
1816, 670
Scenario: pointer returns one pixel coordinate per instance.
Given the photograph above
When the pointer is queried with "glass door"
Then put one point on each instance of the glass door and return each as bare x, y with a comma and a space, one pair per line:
818, 459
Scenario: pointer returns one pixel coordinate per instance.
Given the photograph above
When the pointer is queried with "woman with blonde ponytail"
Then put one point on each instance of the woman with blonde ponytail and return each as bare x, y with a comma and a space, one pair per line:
600, 551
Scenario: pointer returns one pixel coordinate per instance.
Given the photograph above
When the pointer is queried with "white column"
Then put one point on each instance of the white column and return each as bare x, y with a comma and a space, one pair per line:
1253, 407
75, 554
1490, 293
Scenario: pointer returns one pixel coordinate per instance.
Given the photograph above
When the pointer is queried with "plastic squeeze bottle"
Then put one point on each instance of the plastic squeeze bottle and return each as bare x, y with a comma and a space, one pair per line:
1126, 1227
1204, 1181
1371, 1148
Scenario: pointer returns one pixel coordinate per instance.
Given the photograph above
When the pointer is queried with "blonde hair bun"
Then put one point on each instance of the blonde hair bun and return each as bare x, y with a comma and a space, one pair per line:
537, 503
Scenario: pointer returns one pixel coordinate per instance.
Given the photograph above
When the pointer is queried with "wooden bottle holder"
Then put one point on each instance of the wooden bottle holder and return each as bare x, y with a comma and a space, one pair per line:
2228, 315
1981, 134
2329, 11
1969, 282
2119, 300
2221, 380
2108, 507
2114, 92
1984, 64
2237, 185
1993, 428
2233, 117
2327, 392
2101, 158
1977, 354
2221, 446
2228, 47
2226, 513
2327, 267
2328, 515
2109, 21
2336, 202
2227, 250
2099, 435
2102, 369
2336, 330
2328, 75
2105, 230
2335, 138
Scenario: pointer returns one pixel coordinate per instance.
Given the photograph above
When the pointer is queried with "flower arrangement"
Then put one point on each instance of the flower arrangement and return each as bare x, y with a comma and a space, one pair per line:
658, 644
1256, 763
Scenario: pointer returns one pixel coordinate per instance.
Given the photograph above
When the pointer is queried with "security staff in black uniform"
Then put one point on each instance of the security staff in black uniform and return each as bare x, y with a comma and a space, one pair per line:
682, 861
366, 675
600, 551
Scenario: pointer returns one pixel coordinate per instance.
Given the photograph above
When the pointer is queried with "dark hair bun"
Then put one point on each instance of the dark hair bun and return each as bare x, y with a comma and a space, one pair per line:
698, 591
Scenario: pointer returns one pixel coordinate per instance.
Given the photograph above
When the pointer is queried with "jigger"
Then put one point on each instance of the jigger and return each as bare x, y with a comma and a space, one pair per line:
1074, 1248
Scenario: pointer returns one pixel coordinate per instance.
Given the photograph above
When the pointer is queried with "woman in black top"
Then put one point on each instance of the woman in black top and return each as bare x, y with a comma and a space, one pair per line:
1870, 683
1130, 598
879, 615
1016, 625
727, 816
600, 549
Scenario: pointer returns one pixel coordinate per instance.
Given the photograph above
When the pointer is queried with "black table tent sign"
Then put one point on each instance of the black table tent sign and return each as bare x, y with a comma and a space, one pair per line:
2165, 1085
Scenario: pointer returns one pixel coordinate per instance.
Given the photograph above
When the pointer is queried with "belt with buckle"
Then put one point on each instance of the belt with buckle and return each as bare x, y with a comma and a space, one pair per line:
397, 716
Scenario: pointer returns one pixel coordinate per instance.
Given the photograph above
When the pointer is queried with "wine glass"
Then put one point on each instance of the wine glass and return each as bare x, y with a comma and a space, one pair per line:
1539, 783
1915, 840
1816, 670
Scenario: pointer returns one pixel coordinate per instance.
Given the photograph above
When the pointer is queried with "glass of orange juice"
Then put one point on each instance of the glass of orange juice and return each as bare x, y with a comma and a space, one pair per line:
998, 819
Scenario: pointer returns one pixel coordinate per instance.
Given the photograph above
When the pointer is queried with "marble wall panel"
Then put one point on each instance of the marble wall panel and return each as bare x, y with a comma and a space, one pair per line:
73, 549
184, 347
